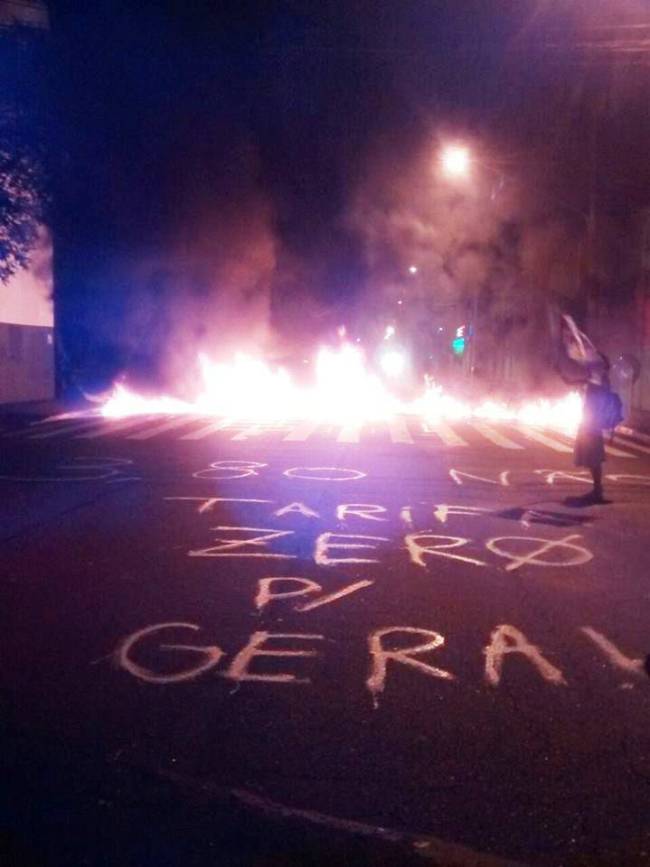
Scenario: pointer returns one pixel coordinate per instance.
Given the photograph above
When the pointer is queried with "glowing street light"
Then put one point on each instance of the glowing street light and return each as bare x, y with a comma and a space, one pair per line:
456, 161
413, 269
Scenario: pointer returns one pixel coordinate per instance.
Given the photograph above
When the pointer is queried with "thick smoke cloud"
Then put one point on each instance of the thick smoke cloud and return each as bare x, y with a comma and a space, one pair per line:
255, 174
490, 249
210, 293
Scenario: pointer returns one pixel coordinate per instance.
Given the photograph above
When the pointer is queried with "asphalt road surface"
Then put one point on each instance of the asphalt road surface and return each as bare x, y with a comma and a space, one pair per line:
236, 644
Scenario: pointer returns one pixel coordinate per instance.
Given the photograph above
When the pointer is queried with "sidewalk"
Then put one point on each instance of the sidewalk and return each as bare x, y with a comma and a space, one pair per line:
41, 408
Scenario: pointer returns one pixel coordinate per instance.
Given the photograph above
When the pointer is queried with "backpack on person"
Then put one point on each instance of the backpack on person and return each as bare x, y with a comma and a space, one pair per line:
607, 409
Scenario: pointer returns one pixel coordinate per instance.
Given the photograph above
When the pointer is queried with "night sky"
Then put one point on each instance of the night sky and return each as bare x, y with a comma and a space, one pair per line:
217, 149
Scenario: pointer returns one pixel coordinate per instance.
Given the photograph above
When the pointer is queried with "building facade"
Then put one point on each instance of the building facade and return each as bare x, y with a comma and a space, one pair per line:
27, 368
27, 330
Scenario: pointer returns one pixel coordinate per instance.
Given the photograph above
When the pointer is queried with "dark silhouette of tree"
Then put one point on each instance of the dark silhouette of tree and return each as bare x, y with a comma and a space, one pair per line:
21, 206
23, 195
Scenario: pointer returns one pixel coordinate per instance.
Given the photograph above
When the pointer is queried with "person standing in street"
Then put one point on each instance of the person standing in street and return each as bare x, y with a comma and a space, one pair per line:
589, 447
579, 362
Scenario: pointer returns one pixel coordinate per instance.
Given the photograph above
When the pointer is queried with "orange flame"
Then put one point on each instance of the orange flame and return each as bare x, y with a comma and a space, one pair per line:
344, 392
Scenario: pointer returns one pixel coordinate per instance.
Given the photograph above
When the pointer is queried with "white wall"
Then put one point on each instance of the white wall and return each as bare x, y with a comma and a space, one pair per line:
26, 331
26, 299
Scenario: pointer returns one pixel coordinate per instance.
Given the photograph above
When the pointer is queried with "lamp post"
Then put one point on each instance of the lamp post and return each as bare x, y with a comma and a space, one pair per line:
456, 162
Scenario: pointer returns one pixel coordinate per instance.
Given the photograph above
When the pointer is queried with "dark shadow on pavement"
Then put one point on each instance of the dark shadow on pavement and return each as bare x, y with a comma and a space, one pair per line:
586, 500
65, 803
532, 515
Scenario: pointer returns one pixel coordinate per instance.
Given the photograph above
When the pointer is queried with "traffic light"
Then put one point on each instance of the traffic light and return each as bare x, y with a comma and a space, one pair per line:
458, 343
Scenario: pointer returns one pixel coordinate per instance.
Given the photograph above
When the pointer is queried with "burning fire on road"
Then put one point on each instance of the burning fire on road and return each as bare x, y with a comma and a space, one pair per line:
343, 391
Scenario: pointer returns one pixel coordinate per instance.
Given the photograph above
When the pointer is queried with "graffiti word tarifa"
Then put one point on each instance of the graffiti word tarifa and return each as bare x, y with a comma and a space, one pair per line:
409, 515
389, 650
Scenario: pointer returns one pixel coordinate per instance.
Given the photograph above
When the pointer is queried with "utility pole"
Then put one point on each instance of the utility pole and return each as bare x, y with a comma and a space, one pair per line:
591, 211
473, 332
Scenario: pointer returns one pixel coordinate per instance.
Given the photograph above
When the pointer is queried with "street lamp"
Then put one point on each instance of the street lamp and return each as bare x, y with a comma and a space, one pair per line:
456, 161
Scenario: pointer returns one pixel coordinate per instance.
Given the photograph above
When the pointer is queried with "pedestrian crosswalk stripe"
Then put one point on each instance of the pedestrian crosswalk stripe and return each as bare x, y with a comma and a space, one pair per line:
251, 431
399, 432
629, 432
64, 429
118, 425
402, 429
631, 444
57, 419
617, 453
495, 436
205, 431
447, 434
163, 427
349, 434
546, 440
301, 432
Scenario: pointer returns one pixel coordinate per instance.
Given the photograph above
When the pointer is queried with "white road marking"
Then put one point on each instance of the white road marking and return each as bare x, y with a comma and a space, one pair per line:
349, 434
212, 655
631, 444
630, 432
112, 426
505, 639
296, 507
381, 656
62, 416
495, 436
544, 439
205, 431
332, 597
301, 432
399, 432
63, 429
398, 429
171, 424
447, 434
239, 670
250, 431
617, 453
579, 554
616, 657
